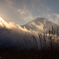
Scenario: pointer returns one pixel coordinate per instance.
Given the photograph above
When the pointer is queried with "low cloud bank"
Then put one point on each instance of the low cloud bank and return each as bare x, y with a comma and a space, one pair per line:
11, 34
15, 35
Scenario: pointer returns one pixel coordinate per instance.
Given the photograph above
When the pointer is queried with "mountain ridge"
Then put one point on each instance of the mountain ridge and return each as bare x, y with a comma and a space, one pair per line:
39, 24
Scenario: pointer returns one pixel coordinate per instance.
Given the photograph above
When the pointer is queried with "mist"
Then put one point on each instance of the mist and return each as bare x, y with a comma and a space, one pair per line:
12, 34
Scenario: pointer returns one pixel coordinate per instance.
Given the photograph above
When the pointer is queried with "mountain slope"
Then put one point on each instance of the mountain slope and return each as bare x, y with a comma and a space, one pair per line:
39, 24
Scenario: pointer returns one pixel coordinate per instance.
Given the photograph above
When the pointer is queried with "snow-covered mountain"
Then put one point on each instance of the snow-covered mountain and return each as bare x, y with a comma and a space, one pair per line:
11, 34
39, 24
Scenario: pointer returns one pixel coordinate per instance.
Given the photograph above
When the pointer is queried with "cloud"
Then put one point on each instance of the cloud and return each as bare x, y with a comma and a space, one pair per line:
25, 14
7, 3
54, 17
10, 33
22, 11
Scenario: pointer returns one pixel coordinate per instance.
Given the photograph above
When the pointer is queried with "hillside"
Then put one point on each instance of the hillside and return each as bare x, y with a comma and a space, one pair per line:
39, 24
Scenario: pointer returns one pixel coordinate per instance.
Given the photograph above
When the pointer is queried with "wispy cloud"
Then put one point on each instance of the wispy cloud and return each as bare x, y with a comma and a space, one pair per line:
25, 14
22, 10
54, 17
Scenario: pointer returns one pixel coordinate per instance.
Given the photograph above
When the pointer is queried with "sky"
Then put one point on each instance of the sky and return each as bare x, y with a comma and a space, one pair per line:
24, 11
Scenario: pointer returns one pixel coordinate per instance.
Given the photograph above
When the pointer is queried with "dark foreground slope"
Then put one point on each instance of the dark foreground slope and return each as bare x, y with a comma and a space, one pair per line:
30, 54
